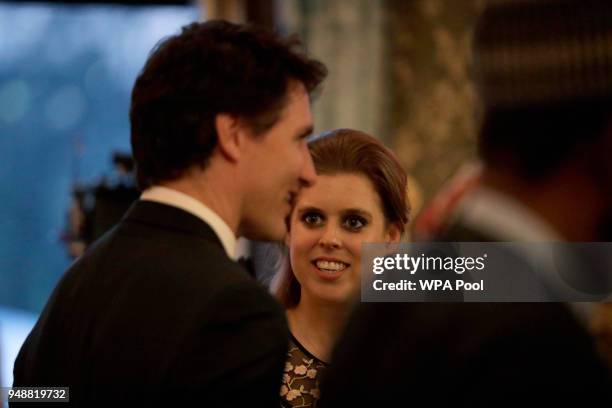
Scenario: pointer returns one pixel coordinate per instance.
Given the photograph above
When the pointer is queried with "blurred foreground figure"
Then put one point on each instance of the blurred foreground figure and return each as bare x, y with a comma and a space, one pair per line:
544, 72
434, 217
601, 328
157, 311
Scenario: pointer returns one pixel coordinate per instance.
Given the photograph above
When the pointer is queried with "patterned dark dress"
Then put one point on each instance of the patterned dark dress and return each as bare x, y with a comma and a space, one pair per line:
300, 387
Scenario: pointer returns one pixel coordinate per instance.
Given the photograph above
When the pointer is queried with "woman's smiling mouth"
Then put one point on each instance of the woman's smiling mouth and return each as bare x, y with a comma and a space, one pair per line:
329, 268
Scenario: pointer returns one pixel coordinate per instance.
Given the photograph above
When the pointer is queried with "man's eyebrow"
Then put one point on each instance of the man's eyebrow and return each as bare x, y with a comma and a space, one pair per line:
306, 132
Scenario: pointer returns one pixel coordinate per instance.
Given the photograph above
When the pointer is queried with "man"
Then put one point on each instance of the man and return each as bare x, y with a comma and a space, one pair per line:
157, 310
544, 74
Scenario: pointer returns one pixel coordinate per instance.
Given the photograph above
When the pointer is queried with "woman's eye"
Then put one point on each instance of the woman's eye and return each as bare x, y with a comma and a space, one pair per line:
355, 223
312, 219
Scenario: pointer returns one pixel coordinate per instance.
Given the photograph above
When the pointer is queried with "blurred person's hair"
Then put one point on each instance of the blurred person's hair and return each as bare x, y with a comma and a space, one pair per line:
350, 151
536, 141
210, 68
544, 73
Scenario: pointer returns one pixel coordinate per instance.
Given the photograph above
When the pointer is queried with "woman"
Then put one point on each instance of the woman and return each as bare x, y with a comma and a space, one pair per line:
359, 196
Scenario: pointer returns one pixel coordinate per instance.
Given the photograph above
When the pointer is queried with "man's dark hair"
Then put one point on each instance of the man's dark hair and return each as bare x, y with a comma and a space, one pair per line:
535, 141
210, 68
544, 73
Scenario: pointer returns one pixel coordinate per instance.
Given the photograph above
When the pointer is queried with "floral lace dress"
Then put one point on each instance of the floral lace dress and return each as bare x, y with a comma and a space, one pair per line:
303, 371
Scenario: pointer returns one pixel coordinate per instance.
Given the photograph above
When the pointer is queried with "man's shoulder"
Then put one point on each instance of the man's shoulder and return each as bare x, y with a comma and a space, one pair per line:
457, 231
126, 272
447, 325
123, 301
192, 262
158, 247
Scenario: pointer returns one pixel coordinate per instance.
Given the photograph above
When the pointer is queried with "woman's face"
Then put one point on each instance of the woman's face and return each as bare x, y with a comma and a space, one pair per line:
330, 221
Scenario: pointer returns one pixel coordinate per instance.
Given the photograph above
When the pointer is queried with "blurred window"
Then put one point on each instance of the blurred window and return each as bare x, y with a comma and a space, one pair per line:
66, 73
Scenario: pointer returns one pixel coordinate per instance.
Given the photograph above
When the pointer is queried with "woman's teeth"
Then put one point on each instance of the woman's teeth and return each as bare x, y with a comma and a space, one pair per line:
331, 266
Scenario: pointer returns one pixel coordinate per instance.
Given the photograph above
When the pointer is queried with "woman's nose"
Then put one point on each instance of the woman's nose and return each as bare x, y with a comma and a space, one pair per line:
330, 238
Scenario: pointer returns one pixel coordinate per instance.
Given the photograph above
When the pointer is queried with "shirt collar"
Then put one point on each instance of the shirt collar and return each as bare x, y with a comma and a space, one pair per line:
174, 198
502, 216
505, 217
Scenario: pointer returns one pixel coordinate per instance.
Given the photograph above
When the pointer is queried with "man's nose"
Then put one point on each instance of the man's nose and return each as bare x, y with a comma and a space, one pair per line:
308, 174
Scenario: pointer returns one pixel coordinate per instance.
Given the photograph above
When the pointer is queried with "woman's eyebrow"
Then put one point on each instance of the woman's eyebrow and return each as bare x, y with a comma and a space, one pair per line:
357, 211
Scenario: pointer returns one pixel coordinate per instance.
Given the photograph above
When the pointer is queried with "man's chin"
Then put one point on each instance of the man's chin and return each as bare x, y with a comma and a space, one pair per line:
266, 233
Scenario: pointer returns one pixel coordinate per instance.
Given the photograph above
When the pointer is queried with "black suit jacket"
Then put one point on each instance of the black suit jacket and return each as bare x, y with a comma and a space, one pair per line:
156, 312
465, 354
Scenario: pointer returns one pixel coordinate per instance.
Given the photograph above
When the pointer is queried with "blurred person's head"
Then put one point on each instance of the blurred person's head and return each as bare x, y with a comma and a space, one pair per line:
226, 107
359, 196
544, 74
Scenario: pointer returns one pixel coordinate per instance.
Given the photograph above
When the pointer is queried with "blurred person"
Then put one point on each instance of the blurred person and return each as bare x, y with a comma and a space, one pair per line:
436, 214
601, 328
544, 75
359, 196
157, 311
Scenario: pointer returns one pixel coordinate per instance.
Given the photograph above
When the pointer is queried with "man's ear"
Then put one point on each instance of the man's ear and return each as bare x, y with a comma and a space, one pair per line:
229, 129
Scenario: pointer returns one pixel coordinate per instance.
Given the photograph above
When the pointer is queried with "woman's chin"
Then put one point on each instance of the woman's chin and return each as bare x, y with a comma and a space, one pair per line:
334, 296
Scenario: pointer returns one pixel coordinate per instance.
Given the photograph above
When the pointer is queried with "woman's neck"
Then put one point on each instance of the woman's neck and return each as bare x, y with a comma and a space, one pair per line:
317, 325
